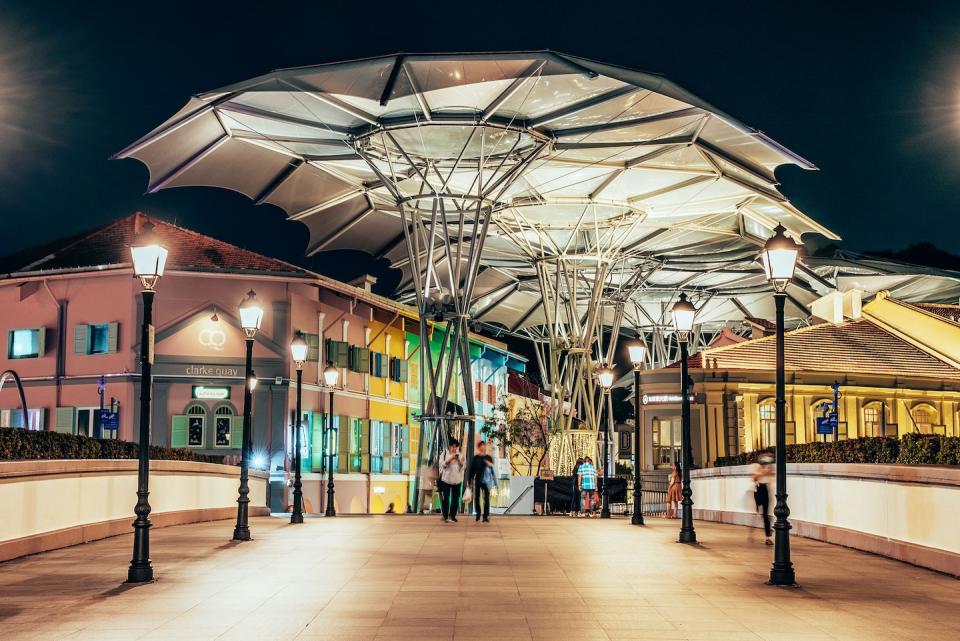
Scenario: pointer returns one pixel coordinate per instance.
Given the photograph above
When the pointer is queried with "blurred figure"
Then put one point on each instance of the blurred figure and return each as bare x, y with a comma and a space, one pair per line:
452, 467
674, 491
391, 509
483, 478
587, 481
575, 494
762, 472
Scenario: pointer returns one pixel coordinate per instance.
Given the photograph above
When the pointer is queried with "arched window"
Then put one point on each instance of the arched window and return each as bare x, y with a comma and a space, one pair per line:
768, 423
876, 419
225, 427
196, 424
925, 418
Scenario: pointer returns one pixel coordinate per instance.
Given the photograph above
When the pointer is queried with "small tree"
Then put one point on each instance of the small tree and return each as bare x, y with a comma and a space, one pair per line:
526, 433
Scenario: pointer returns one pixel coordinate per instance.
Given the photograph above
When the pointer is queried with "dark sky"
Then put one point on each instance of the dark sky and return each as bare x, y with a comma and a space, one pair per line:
872, 97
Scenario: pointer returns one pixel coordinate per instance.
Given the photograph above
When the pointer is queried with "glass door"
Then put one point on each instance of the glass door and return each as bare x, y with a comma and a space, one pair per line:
666, 441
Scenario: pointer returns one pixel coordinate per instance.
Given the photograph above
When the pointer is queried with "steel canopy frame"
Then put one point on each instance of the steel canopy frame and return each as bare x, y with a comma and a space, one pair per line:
594, 188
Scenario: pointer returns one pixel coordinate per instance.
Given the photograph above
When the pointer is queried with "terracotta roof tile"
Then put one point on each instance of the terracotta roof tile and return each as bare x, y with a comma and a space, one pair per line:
950, 312
109, 245
856, 346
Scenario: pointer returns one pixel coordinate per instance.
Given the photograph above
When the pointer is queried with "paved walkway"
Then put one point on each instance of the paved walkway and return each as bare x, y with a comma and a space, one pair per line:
517, 578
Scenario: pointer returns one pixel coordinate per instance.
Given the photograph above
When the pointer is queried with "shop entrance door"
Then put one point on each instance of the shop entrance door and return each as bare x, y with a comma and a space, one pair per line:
666, 441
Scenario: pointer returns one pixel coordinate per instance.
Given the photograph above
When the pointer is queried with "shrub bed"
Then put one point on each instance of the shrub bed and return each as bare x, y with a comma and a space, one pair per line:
912, 449
22, 445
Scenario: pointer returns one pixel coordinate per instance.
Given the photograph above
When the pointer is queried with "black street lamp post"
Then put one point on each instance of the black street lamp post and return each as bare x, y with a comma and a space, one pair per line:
149, 258
330, 376
298, 349
251, 315
683, 315
605, 377
637, 350
779, 259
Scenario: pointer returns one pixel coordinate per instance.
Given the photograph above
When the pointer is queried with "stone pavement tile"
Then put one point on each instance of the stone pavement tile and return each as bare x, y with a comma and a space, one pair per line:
415, 633
100, 634
565, 634
646, 635
342, 634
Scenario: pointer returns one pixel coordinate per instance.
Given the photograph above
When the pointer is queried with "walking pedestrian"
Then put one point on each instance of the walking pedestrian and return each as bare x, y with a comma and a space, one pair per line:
452, 467
674, 491
482, 476
762, 472
575, 494
587, 481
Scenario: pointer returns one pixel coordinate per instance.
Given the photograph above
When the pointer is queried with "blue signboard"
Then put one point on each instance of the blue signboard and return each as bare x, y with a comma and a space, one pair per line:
827, 424
109, 422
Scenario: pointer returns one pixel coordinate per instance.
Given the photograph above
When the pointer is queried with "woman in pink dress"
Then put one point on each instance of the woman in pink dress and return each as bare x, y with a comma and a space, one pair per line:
674, 495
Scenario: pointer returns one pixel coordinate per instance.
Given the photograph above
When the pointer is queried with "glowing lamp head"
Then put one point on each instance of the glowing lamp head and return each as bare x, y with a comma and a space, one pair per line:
637, 350
251, 314
298, 349
252, 381
683, 314
605, 377
149, 256
331, 375
779, 257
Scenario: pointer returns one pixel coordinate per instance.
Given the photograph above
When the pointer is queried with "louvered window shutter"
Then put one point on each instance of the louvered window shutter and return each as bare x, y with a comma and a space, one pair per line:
113, 337
404, 372
313, 346
65, 421
178, 431
343, 354
364, 445
386, 447
41, 341
236, 432
343, 443
364, 360
316, 442
405, 448
80, 333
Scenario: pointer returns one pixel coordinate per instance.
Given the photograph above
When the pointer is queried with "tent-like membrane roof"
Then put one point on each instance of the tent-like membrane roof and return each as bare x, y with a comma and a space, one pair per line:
581, 164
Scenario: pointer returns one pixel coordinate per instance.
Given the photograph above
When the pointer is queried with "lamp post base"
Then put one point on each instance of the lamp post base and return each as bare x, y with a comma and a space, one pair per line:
783, 577
296, 518
241, 533
140, 573
687, 536
637, 518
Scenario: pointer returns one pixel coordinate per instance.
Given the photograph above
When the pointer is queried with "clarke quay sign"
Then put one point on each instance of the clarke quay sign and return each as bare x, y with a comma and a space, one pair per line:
208, 393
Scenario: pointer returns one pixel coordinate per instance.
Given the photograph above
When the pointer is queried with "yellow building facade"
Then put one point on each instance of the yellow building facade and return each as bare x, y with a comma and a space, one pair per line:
896, 367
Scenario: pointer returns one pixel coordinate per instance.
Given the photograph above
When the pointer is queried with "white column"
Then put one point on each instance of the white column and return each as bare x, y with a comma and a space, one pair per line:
345, 339
320, 350
366, 377
386, 339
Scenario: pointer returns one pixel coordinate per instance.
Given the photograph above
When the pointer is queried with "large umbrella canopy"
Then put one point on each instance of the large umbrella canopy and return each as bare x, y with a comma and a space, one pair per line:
580, 164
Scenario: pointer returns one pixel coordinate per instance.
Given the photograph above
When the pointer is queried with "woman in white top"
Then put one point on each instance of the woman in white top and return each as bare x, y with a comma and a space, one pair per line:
452, 467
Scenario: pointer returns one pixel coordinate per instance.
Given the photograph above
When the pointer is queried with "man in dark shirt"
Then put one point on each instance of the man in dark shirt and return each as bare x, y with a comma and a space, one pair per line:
482, 480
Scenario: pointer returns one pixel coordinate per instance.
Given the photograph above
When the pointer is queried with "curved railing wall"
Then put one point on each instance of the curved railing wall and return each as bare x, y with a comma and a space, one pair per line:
906, 512
53, 504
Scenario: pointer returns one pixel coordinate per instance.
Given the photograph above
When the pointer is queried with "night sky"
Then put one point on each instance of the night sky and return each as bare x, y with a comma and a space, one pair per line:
872, 97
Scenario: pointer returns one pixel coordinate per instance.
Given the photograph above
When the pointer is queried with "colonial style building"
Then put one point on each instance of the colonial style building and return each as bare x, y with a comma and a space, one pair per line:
71, 326
895, 367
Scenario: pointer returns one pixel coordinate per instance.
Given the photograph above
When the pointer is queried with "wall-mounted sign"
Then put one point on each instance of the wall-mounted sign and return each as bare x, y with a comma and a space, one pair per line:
208, 393
654, 399
213, 339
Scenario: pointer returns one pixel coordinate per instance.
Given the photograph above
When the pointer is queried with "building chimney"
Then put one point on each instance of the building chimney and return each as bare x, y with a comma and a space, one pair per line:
365, 282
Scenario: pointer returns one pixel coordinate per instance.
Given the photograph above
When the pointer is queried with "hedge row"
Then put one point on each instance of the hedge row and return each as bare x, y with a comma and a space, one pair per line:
20, 445
912, 449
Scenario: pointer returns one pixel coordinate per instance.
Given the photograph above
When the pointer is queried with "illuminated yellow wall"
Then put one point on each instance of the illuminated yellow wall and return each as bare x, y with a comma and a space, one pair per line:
925, 329
382, 493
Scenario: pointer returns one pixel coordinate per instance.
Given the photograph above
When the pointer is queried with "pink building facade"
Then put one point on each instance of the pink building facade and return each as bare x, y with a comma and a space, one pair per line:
71, 322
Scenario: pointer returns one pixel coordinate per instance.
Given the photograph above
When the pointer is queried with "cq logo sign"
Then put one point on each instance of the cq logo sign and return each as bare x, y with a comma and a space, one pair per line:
212, 338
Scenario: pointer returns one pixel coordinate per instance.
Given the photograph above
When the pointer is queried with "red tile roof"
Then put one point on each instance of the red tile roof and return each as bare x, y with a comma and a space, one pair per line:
855, 346
109, 246
949, 312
